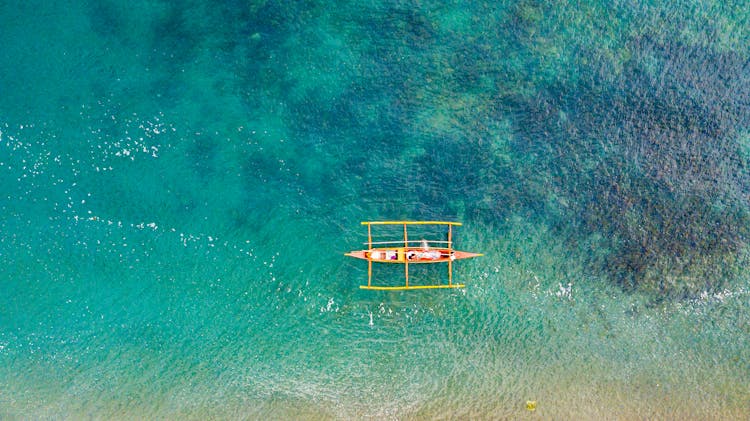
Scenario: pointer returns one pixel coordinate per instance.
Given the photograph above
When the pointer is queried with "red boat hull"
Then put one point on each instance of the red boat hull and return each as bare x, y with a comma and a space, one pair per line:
411, 255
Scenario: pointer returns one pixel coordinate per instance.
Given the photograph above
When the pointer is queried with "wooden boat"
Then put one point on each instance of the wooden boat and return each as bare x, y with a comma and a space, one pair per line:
406, 252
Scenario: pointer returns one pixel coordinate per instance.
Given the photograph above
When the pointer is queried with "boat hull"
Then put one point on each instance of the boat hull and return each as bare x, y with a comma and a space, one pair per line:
411, 255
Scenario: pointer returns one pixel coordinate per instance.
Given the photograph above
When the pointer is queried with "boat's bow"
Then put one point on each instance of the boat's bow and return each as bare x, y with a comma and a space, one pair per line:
359, 254
464, 255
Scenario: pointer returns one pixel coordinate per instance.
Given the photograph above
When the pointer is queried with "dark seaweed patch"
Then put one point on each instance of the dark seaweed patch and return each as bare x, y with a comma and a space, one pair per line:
652, 162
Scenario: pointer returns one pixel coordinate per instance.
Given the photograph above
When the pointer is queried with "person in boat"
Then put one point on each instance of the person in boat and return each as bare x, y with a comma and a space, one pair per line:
423, 255
428, 253
431, 255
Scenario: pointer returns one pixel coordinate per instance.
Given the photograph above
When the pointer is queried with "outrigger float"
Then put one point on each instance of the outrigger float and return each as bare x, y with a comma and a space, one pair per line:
405, 251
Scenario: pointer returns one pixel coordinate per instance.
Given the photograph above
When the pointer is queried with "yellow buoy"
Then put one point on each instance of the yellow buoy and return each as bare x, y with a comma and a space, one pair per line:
531, 405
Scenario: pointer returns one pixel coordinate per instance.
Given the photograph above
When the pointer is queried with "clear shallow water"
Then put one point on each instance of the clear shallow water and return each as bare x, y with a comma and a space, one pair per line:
179, 186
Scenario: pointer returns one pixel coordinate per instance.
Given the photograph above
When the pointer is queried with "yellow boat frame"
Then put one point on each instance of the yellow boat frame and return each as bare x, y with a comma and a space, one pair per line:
403, 255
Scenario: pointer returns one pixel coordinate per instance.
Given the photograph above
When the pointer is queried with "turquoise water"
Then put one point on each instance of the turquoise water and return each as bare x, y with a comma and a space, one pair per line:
180, 183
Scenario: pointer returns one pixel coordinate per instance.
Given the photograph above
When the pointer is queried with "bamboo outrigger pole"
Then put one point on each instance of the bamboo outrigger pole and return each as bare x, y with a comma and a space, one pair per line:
406, 263
369, 261
450, 262
410, 223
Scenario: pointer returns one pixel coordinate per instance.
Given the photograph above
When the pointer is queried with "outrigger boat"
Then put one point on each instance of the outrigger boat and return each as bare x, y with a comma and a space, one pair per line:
405, 251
